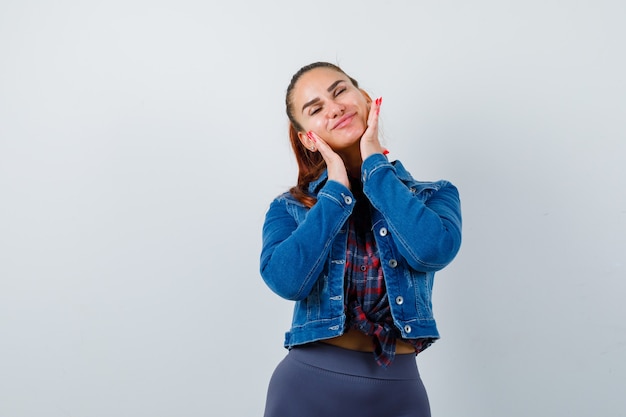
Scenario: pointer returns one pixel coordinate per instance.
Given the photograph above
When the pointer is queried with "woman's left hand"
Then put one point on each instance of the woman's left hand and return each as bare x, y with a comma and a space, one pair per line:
369, 141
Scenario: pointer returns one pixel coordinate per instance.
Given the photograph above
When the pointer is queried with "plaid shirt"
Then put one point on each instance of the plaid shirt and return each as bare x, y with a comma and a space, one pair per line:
367, 303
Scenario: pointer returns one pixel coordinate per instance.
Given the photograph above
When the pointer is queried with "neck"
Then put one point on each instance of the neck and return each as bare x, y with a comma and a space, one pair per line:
352, 160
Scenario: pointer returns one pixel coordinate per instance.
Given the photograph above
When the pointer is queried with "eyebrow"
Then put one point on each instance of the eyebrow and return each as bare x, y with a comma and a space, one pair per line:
316, 99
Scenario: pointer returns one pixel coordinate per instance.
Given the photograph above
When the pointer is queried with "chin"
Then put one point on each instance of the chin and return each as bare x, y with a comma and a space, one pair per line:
347, 145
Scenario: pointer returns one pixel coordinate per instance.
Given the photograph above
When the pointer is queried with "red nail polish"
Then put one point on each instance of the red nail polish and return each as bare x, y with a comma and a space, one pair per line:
385, 151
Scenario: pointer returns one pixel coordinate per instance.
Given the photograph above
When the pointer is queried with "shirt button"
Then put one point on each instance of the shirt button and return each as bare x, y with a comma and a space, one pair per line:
383, 231
347, 199
407, 328
393, 263
399, 300
363, 268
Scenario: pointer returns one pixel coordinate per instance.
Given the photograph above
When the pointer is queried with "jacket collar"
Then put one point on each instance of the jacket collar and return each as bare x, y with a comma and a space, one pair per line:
315, 185
401, 172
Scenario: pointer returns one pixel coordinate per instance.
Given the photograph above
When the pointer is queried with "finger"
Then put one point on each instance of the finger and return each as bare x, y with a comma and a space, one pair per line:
319, 144
372, 119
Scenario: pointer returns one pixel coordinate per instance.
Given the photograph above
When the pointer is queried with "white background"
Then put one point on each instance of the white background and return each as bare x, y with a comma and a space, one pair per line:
142, 141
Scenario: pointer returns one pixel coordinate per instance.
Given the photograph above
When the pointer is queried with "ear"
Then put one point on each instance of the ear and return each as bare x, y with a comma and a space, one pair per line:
305, 141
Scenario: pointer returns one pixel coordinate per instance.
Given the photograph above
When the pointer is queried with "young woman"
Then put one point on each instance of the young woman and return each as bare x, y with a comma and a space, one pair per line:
355, 243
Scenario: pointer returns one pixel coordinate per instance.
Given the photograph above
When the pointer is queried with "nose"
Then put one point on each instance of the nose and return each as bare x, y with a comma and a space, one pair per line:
335, 110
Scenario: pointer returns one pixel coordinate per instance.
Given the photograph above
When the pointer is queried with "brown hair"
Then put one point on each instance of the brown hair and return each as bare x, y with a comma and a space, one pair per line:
310, 164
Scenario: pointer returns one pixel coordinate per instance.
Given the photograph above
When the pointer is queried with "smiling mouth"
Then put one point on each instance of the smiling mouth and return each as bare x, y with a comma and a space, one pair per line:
345, 120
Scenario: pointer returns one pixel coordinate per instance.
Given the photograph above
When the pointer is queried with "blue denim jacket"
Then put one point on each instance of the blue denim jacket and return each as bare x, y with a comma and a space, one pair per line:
417, 227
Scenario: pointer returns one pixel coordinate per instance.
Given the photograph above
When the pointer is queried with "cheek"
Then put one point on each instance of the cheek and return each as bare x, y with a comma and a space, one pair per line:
316, 125
367, 105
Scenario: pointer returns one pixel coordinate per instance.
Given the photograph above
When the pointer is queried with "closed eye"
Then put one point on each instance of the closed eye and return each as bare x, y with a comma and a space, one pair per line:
339, 91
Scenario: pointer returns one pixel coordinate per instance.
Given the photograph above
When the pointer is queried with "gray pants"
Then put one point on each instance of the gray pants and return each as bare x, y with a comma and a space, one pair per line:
318, 380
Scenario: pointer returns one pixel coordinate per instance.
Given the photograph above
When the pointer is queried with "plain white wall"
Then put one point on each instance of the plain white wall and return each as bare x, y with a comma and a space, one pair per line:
142, 141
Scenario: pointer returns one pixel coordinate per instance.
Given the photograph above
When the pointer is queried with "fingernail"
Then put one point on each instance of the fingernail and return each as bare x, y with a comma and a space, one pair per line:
385, 151
310, 136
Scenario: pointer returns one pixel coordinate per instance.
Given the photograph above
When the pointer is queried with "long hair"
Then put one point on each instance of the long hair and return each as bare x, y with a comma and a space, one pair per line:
310, 164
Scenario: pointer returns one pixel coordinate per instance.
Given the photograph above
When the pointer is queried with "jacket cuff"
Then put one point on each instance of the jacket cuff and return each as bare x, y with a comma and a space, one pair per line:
373, 163
338, 193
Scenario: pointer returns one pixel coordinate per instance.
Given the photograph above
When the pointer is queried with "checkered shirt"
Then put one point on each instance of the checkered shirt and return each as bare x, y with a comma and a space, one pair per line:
367, 303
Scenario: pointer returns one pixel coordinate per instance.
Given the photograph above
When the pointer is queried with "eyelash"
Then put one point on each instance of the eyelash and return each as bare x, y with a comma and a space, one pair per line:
337, 92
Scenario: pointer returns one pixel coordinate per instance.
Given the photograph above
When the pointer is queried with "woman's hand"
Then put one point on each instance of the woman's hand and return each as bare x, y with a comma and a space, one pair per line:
334, 164
369, 141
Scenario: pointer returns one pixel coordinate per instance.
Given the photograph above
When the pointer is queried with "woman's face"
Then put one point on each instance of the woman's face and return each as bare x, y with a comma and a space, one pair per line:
326, 102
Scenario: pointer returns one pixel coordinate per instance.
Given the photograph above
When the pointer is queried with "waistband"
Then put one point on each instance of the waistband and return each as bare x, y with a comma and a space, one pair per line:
351, 362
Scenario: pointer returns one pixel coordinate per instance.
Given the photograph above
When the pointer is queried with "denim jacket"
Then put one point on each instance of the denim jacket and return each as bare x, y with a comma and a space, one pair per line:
417, 228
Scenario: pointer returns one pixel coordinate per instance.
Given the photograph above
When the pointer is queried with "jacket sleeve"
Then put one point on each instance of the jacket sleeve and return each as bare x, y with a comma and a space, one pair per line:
426, 230
293, 253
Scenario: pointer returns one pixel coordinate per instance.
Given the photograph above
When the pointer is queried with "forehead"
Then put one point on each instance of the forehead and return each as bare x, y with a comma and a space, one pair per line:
315, 83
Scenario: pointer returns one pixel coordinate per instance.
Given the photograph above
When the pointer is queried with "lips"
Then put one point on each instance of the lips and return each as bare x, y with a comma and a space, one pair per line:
343, 121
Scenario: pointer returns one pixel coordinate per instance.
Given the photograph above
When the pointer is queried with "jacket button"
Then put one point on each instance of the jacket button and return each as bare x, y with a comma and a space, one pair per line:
407, 328
393, 263
347, 199
399, 300
383, 231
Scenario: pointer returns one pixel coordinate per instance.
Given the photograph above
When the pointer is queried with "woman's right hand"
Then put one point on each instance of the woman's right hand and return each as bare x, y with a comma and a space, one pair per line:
334, 164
